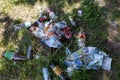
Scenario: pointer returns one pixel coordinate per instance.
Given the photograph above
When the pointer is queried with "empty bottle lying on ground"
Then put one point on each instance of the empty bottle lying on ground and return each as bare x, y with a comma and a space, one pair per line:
46, 74
59, 72
13, 56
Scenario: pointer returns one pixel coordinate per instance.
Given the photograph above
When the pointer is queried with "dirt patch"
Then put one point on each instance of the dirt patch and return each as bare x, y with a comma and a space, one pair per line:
101, 3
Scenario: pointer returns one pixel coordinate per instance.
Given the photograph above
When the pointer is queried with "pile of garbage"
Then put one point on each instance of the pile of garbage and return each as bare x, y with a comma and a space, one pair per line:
50, 32
48, 29
86, 57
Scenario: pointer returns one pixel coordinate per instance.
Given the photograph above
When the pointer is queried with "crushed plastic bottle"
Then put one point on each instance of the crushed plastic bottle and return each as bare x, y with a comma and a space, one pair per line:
19, 26
81, 39
46, 74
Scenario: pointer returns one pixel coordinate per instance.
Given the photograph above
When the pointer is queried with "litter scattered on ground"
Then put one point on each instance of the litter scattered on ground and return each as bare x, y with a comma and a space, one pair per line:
49, 31
81, 39
88, 58
46, 74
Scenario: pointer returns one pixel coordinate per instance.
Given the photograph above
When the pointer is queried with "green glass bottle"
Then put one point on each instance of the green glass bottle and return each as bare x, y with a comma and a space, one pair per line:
13, 56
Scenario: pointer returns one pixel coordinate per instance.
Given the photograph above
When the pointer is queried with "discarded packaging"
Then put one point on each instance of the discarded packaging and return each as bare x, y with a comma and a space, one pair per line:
14, 56
51, 14
88, 58
46, 74
59, 72
107, 63
79, 12
81, 39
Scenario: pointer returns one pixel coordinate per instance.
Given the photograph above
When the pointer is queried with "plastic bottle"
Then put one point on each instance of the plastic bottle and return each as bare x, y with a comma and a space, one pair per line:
29, 52
81, 39
67, 32
51, 14
68, 52
46, 74
14, 56
19, 26
59, 72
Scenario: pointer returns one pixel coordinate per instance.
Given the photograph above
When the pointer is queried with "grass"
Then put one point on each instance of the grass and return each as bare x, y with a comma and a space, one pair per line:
93, 22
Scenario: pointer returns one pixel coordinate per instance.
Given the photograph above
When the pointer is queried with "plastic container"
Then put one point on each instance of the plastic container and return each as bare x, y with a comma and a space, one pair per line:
59, 72
46, 74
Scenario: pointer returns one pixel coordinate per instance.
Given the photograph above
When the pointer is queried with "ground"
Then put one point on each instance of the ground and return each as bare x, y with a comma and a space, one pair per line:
100, 21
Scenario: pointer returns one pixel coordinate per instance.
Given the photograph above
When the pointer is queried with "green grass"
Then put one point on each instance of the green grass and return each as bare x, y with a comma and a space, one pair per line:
92, 22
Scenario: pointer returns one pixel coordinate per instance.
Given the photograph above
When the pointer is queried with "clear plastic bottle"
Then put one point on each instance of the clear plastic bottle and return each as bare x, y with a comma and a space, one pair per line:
46, 74
51, 14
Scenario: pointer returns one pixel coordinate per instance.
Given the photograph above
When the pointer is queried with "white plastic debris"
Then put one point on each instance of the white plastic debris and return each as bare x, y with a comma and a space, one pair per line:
79, 12
72, 21
107, 63
46, 74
